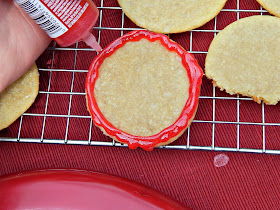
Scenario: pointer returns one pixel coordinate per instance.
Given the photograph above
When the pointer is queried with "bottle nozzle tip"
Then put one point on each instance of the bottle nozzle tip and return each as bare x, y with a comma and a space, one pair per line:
91, 41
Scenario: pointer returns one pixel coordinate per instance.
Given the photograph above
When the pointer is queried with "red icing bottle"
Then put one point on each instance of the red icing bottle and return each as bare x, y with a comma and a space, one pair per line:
65, 21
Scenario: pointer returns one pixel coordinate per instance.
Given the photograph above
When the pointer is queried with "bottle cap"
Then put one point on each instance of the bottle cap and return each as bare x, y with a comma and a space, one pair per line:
91, 41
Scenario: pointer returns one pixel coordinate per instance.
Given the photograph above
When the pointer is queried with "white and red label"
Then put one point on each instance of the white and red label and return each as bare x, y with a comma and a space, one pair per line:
55, 17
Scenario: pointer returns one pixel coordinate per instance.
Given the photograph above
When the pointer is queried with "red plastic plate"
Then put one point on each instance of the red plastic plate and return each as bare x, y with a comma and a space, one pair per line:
76, 189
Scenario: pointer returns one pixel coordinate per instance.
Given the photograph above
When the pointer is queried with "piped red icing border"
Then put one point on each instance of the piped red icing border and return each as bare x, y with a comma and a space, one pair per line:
148, 142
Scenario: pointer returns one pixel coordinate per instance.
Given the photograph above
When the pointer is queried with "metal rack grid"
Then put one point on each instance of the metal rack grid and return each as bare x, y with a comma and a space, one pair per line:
188, 145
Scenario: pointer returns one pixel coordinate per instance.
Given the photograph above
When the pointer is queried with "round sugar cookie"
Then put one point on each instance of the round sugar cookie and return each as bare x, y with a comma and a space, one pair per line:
18, 97
171, 16
244, 58
272, 6
143, 89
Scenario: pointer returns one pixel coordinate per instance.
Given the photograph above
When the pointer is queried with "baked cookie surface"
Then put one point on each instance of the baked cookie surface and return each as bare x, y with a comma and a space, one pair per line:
272, 6
244, 58
18, 97
143, 90
171, 16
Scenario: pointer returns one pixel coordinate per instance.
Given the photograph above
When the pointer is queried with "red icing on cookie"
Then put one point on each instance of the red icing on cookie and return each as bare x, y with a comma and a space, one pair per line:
147, 142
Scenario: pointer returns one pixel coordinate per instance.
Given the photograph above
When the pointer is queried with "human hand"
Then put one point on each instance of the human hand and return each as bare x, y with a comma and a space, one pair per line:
22, 42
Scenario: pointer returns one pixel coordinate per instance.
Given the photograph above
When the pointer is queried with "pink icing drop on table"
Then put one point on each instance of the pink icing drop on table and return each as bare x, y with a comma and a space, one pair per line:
221, 160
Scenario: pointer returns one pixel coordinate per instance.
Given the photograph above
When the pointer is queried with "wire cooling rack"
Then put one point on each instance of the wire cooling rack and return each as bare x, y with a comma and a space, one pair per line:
223, 122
